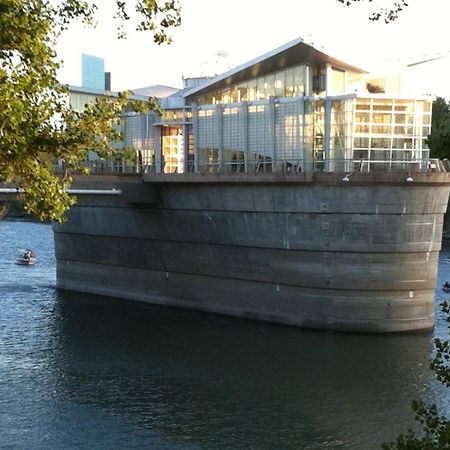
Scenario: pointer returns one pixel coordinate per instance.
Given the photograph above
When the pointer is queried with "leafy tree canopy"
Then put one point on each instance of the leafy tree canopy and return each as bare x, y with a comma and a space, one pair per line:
37, 125
439, 140
388, 14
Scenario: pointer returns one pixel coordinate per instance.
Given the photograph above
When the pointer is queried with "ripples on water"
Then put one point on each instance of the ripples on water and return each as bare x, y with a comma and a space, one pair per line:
80, 371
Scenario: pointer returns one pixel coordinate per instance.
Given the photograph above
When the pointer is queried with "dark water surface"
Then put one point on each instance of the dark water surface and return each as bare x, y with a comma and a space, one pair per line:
87, 372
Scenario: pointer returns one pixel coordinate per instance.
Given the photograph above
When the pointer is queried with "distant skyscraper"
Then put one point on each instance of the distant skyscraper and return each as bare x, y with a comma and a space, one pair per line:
92, 72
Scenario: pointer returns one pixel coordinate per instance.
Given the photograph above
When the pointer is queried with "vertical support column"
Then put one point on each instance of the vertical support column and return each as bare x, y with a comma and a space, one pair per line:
185, 132
369, 152
272, 131
158, 156
350, 106
145, 141
149, 137
195, 135
244, 112
219, 131
391, 139
327, 135
301, 133
328, 79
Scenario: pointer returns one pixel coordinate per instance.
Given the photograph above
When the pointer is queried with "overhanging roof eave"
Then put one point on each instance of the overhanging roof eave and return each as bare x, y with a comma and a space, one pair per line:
273, 54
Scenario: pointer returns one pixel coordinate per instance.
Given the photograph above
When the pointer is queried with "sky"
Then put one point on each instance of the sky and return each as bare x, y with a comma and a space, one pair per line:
245, 29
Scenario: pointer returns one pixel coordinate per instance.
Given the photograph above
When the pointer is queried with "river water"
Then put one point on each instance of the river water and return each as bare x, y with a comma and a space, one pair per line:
87, 372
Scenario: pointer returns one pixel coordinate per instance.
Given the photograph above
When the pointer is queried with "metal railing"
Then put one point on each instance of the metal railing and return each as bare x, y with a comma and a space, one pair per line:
267, 166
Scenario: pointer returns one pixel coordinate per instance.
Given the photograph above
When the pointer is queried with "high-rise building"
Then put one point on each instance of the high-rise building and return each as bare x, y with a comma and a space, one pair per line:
92, 72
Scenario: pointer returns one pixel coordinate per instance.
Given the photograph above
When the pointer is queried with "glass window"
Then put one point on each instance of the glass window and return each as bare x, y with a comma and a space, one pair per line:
402, 143
362, 129
279, 84
234, 94
309, 107
242, 92
217, 97
226, 96
381, 143
404, 118
269, 85
426, 119
172, 150
361, 142
404, 105
381, 118
382, 105
381, 129
260, 91
251, 86
362, 117
361, 154
403, 130
299, 81
289, 83
427, 106
363, 104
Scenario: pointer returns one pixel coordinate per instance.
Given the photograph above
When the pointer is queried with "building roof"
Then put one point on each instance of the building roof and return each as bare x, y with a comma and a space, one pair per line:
290, 54
157, 90
103, 93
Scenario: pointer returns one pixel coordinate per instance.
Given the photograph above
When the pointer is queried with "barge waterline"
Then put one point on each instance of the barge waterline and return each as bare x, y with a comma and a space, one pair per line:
304, 249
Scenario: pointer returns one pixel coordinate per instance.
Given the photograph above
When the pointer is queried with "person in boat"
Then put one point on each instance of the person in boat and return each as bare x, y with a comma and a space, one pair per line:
28, 254
446, 286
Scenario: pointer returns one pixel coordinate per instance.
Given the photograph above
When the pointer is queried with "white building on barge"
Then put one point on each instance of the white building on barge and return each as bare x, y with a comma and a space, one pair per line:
292, 189
294, 108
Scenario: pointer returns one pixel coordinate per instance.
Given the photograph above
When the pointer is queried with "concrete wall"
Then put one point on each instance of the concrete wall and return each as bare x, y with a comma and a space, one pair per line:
307, 250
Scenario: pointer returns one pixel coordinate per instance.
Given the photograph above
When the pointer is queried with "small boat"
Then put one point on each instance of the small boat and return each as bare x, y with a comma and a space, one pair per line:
25, 261
446, 287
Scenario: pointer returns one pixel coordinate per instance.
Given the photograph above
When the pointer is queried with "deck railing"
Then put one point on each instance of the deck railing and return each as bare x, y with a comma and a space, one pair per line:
267, 166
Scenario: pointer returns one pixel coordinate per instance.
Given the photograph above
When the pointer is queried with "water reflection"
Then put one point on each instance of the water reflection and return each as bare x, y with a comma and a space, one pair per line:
221, 382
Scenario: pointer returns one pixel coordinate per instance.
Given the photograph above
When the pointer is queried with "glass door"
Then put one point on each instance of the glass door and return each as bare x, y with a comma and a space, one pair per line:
172, 149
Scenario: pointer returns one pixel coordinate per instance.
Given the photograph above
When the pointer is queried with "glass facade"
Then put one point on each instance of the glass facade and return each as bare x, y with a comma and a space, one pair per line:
92, 72
291, 82
140, 135
298, 119
342, 133
390, 132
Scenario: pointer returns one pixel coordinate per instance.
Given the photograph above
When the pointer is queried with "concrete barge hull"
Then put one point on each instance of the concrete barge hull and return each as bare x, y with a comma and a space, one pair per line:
311, 251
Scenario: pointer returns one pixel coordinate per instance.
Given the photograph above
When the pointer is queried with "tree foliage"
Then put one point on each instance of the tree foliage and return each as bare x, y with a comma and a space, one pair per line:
37, 125
388, 14
439, 139
435, 434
